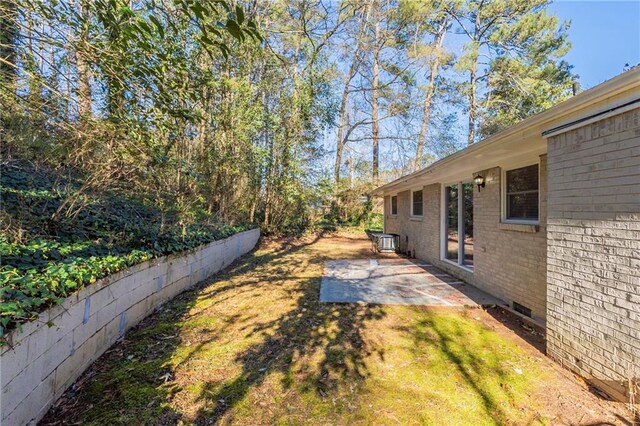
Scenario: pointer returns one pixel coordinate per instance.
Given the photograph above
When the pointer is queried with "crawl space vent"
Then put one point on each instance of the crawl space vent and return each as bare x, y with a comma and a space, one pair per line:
522, 309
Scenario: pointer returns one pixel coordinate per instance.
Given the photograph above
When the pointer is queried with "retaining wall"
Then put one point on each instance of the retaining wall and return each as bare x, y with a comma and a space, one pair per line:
44, 361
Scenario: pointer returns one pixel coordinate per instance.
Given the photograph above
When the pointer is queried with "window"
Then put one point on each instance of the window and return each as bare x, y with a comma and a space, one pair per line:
394, 205
521, 194
416, 203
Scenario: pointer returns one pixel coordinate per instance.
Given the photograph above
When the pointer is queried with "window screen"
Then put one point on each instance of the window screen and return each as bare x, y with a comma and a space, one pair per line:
416, 203
522, 192
394, 205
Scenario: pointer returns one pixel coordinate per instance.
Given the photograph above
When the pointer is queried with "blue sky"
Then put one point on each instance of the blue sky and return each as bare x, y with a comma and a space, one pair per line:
605, 36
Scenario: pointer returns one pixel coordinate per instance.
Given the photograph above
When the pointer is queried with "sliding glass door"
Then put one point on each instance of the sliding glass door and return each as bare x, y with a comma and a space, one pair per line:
467, 224
451, 203
458, 226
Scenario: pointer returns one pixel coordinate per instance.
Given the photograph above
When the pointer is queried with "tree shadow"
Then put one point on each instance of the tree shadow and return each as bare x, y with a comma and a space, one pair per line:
334, 330
133, 382
451, 340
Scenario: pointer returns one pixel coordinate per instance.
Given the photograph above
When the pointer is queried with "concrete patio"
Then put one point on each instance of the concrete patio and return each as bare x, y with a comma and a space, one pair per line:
396, 281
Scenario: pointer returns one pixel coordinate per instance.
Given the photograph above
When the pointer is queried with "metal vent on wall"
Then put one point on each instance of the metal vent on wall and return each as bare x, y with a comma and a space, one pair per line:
521, 309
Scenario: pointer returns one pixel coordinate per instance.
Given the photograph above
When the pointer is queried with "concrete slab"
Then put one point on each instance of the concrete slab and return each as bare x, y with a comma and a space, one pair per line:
396, 281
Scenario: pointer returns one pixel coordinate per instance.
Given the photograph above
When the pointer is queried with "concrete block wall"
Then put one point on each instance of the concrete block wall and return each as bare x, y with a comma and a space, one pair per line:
593, 305
510, 259
44, 361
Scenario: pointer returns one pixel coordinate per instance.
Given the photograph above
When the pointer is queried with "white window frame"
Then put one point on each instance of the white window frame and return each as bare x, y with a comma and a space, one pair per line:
503, 192
391, 213
419, 216
443, 226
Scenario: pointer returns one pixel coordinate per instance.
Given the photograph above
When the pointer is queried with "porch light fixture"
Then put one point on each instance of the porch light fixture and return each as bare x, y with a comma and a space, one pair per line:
479, 180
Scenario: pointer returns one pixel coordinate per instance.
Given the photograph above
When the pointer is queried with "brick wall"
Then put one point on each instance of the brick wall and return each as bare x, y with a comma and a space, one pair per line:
510, 260
593, 305
44, 361
419, 235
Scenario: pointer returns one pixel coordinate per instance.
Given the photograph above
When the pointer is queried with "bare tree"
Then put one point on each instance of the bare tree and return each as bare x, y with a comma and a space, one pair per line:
344, 130
375, 125
434, 69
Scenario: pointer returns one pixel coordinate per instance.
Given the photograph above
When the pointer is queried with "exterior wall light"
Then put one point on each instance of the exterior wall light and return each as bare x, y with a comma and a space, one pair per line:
479, 180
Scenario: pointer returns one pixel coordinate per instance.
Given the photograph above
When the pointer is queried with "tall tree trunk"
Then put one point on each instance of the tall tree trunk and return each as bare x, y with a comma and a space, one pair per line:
115, 89
271, 165
472, 104
84, 79
473, 81
343, 120
8, 55
375, 125
8, 36
431, 90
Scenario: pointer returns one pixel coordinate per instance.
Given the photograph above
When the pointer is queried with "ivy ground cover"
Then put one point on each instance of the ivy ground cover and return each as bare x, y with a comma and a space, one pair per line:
56, 238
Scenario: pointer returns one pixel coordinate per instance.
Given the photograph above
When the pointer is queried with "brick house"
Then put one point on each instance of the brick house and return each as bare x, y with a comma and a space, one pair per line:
545, 215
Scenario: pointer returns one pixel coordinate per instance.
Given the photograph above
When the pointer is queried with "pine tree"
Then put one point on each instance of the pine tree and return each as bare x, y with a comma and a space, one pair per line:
502, 32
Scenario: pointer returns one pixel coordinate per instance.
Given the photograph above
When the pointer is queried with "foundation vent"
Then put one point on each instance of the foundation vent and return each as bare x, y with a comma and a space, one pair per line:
521, 309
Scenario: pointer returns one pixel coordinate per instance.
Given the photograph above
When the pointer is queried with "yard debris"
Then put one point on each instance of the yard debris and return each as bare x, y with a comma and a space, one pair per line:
166, 377
166, 337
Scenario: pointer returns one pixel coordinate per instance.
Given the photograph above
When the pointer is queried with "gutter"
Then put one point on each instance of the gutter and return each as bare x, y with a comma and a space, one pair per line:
591, 118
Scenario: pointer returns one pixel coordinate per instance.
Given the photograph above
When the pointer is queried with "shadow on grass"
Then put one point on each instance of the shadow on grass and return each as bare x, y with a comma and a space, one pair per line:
335, 330
473, 360
534, 335
133, 382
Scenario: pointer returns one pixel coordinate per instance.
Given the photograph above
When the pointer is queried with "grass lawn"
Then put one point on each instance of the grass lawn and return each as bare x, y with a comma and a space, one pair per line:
254, 346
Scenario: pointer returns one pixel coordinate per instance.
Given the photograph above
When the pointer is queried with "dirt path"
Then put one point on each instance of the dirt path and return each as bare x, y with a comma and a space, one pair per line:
254, 346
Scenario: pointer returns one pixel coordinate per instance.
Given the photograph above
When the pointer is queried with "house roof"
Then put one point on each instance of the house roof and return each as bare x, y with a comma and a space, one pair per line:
527, 139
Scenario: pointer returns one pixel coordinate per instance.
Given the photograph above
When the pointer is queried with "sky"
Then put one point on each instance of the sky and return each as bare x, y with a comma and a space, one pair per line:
605, 36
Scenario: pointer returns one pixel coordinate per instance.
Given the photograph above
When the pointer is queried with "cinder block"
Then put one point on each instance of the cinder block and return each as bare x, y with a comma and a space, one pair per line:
54, 356
101, 299
105, 314
12, 362
119, 289
63, 323
18, 389
68, 371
